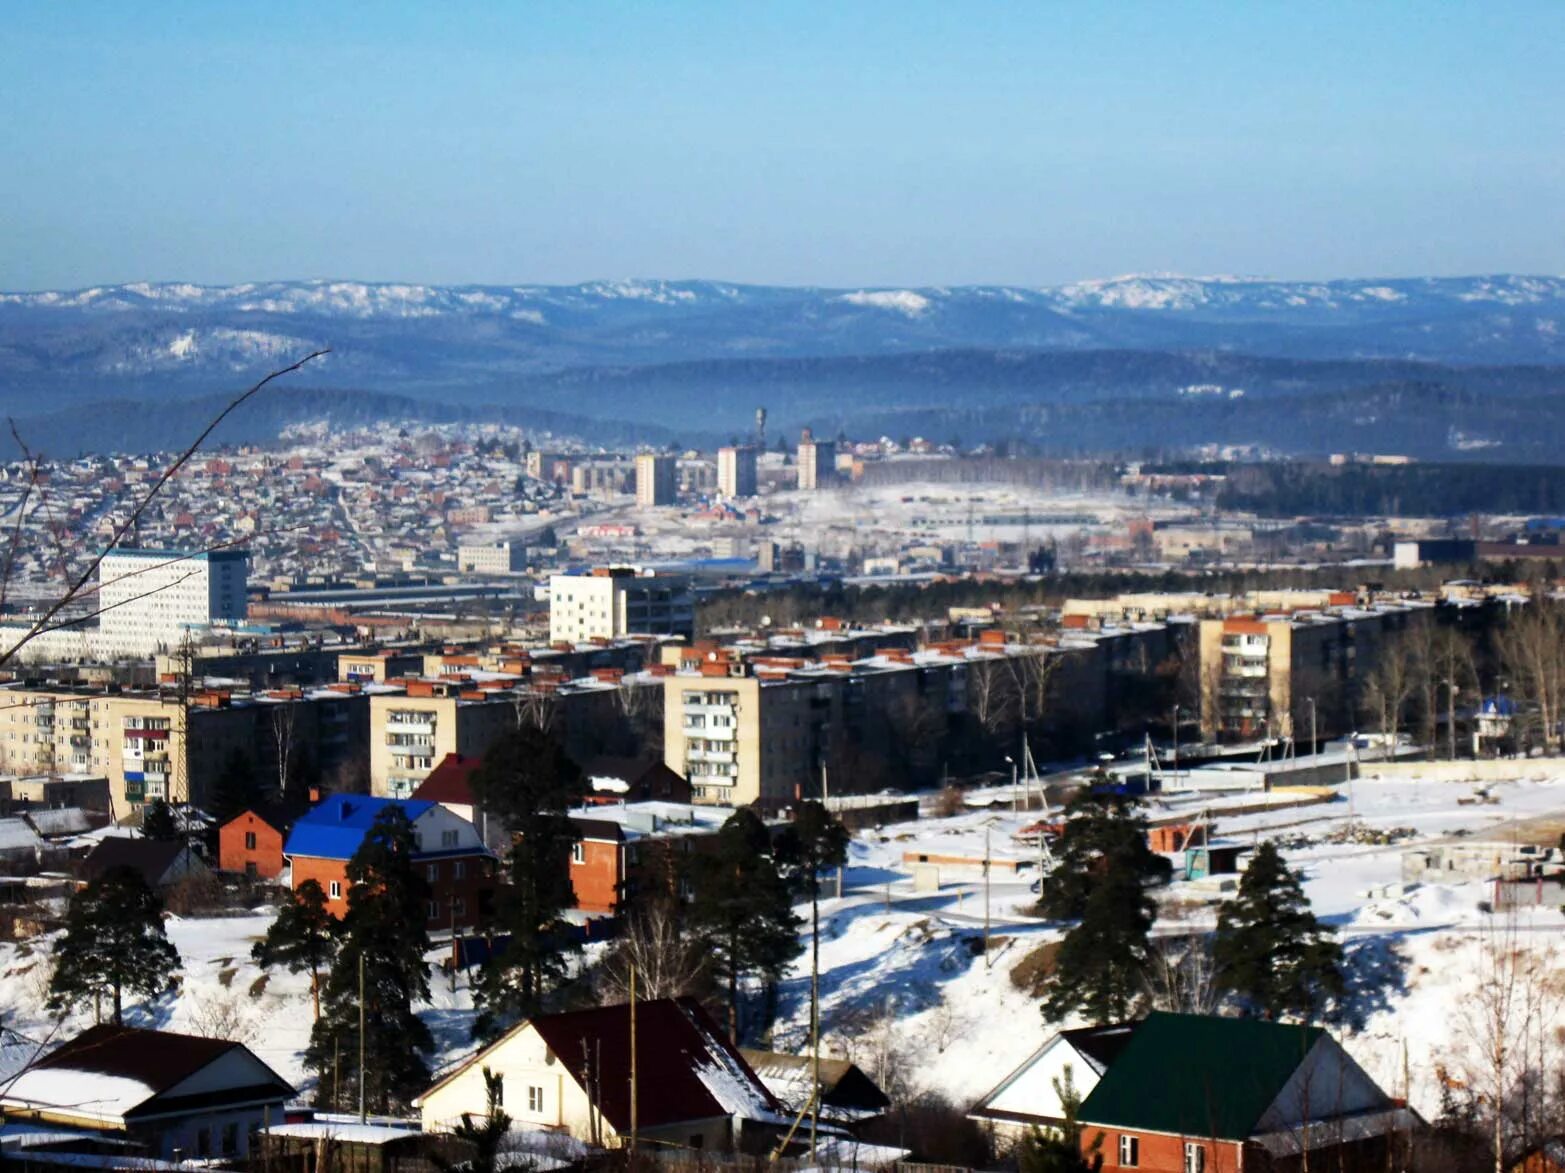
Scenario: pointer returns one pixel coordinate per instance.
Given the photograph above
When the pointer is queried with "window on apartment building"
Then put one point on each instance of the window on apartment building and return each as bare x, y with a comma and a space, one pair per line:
434, 911
1195, 1157
432, 872
459, 870
249, 840
578, 853
459, 906
1129, 1151
336, 889
534, 1098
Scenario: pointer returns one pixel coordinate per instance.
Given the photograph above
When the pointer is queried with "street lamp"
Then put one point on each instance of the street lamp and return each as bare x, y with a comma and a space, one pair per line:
1012, 763
1314, 739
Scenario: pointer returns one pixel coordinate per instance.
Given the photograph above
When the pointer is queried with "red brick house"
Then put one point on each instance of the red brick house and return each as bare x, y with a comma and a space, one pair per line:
460, 870
251, 844
1194, 1093
636, 849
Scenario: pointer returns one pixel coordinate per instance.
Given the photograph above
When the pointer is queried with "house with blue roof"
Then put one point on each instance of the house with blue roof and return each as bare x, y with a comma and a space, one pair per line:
448, 850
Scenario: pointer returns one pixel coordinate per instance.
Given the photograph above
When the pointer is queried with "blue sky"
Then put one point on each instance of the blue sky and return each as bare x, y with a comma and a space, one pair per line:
834, 143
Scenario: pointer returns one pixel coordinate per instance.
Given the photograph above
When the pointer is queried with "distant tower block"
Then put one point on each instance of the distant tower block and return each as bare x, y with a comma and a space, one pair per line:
760, 428
656, 479
736, 471
817, 462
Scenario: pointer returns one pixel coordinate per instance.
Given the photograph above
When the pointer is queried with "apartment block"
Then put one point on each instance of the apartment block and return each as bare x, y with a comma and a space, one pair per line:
1284, 675
817, 462
657, 479
613, 602
412, 730
492, 558
736, 475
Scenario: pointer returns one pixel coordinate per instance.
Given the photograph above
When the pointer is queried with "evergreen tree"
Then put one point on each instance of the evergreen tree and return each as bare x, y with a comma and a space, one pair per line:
388, 908
1058, 1150
157, 822
1102, 835
1270, 950
1100, 969
235, 789
486, 1135
303, 938
742, 909
114, 942
527, 782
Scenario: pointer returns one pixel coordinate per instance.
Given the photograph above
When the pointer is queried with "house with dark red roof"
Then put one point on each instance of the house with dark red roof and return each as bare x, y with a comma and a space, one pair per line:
570, 1073
168, 1096
450, 784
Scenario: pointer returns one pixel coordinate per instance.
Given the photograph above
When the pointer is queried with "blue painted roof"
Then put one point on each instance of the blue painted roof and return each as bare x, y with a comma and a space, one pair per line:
335, 828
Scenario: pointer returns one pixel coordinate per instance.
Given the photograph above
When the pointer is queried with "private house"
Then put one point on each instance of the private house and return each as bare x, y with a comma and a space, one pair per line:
160, 863
567, 1072
177, 1096
635, 849
251, 844
849, 1097
1029, 1097
450, 784
1193, 1093
447, 849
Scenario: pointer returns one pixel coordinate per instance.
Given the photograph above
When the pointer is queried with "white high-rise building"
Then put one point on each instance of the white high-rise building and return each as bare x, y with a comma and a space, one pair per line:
817, 462
656, 479
145, 602
158, 595
614, 601
736, 471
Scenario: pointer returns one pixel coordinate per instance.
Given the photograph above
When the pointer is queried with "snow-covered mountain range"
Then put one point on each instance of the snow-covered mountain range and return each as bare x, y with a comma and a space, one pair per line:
415, 337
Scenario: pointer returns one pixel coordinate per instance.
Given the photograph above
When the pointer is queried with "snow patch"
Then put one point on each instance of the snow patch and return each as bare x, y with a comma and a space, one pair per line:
903, 301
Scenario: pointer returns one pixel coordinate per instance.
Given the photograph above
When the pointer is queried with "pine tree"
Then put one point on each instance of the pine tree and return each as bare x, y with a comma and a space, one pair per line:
1058, 1150
114, 943
528, 783
1100, 969
1270, 950
303, 938
1102, 835
742, 909
486, 1135
157, 822
388, 908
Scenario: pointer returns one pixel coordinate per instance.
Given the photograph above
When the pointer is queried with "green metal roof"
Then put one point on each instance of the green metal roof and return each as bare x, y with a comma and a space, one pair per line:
1199, 1076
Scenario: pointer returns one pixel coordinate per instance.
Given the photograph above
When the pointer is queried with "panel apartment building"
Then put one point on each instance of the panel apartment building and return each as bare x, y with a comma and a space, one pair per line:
1273, 675
657, 479
147, 601
616, 601
736, 471
152, 745
817, 462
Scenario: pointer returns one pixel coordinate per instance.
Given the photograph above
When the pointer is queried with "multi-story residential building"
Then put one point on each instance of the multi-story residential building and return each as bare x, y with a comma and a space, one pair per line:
1297, 675
736, 471
657, 479
817, 462
157, 744
492, 558
147, 601
412, 730
616, 601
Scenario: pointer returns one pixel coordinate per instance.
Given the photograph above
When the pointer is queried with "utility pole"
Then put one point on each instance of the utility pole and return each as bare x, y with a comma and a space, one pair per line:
633, 1089
1450, 720
987, 962
362, 1071
1174, 729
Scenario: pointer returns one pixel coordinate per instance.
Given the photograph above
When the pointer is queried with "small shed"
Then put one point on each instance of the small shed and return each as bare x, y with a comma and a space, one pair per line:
1218, 858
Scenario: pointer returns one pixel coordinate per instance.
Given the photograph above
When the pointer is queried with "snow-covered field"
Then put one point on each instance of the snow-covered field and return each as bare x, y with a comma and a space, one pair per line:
905, 991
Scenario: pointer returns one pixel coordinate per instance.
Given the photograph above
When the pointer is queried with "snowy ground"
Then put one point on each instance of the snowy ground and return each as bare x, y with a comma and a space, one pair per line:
904, 989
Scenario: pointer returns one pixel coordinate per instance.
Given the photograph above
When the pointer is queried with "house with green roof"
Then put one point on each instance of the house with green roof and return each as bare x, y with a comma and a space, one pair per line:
1194, 1093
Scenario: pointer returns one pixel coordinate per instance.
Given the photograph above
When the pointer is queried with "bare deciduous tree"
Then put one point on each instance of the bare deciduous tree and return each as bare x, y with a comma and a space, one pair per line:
1532, 649
666, 961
